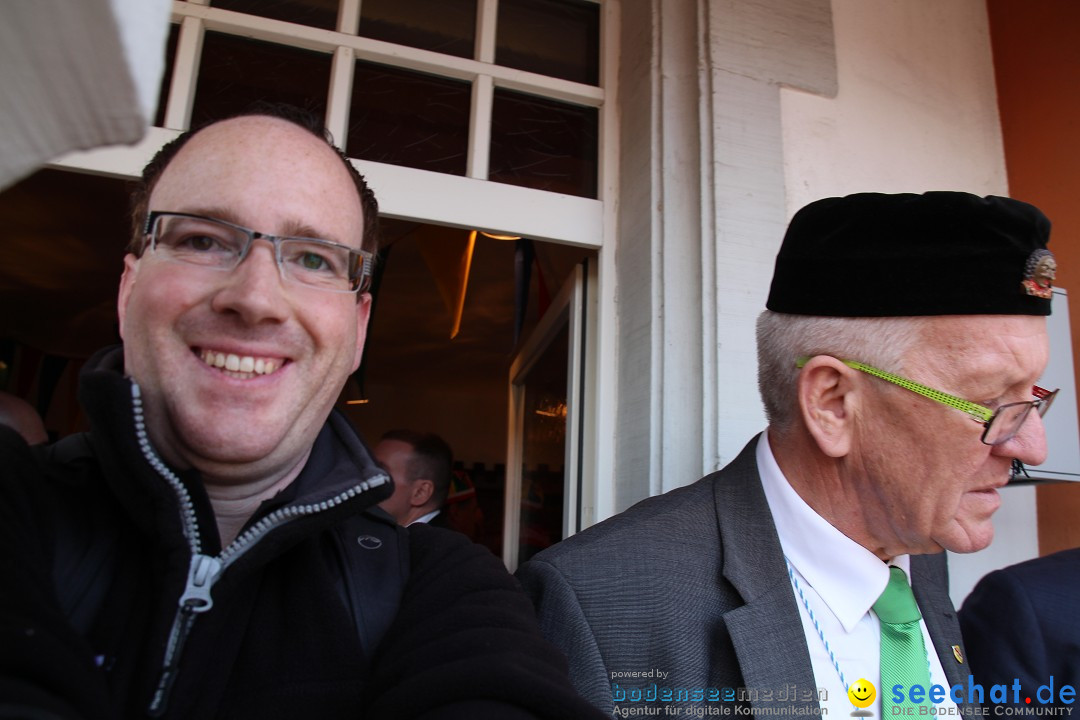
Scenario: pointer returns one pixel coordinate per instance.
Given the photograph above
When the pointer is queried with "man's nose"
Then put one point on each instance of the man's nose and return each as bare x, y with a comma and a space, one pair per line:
254, 289
1029, 444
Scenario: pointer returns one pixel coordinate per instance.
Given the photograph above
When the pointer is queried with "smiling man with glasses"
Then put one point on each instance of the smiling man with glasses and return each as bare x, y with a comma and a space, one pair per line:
212, 547
897, 361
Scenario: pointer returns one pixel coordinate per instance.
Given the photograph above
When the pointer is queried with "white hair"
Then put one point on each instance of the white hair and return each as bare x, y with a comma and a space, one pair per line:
783, 338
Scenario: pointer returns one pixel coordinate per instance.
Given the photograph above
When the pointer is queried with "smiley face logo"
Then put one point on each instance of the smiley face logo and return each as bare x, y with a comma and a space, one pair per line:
862, 693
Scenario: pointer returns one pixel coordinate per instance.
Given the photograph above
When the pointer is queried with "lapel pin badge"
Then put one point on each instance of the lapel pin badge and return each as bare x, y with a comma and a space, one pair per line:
957, 654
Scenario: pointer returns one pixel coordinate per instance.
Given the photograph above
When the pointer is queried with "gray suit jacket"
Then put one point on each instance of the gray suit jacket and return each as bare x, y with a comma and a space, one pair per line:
693, 584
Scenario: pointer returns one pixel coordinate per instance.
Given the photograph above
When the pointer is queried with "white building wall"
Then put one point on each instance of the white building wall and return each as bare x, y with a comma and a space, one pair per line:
916, 108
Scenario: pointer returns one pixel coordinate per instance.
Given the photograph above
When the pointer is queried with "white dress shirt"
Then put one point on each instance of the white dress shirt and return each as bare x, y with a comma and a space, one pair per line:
841, 580
426, 518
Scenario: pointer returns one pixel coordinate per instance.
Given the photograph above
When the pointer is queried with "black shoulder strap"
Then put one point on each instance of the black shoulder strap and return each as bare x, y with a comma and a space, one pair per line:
374, 557
84, 554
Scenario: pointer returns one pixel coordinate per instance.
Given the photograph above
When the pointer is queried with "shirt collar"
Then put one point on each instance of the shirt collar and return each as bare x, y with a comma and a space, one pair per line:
848, 577
426, 518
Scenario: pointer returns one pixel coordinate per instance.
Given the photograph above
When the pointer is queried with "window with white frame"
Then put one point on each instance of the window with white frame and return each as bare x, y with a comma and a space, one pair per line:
500, 90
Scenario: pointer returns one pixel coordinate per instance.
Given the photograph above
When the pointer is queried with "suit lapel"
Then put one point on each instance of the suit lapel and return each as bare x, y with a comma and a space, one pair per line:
767, 631
930, 582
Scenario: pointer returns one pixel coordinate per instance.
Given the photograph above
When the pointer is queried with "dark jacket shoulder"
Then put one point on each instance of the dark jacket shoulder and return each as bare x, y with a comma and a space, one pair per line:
466, 631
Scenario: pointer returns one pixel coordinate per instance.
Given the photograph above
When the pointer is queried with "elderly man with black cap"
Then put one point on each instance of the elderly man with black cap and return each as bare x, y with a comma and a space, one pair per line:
897, 362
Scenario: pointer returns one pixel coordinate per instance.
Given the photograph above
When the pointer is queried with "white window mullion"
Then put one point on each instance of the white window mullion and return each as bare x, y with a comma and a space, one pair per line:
342, 70
483, 96
185, 70
486, 15
349, 17
483, 92
339, 100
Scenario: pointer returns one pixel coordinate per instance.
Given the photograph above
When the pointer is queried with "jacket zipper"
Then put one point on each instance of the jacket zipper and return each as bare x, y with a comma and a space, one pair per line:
205, 570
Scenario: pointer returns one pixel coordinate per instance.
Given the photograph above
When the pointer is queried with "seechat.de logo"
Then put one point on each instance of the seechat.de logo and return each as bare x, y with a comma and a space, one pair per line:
1049, 699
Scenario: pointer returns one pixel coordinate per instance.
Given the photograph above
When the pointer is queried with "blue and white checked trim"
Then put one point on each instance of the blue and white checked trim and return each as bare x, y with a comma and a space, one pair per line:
814, 620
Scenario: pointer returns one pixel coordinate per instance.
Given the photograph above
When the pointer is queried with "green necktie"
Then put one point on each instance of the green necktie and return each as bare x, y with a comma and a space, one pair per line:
903, 653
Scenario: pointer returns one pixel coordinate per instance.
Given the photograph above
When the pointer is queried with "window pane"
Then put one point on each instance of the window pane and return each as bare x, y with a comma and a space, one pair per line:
557, 38
235, 72
445, 26
543, 144
166, 76
316, 13
407, 118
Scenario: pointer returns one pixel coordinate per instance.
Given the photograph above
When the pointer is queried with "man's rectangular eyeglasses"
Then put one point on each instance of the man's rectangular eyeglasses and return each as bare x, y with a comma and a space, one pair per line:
999, 426
219, 245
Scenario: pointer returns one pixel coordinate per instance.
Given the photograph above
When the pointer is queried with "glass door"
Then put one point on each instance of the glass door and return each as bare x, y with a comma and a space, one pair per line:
549, 382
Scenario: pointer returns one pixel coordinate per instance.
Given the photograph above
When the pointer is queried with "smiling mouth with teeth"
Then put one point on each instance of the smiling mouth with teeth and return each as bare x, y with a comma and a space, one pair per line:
237, 366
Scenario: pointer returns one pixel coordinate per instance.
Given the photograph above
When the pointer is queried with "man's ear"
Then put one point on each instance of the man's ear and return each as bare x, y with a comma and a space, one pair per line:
363, 314
127, 285
420, 492
828, 393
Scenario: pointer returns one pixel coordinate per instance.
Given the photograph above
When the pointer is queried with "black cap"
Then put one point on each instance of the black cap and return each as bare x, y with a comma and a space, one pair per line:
940, 253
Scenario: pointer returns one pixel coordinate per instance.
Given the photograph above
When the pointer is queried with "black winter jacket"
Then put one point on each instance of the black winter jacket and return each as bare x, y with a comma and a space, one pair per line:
275, 635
